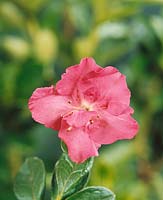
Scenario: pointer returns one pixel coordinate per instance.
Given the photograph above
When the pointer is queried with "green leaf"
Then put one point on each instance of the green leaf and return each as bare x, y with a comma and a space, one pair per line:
70, 177
30, 180
64, 147
29, 77
93, 193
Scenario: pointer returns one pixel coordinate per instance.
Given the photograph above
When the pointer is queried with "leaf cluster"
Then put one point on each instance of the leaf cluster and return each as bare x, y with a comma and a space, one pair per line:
68, 182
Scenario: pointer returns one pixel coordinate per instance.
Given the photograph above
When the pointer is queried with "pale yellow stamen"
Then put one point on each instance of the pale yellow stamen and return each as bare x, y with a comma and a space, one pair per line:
87, 106
69, 128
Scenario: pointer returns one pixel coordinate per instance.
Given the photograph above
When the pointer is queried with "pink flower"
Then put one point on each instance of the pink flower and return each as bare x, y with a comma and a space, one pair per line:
89, 106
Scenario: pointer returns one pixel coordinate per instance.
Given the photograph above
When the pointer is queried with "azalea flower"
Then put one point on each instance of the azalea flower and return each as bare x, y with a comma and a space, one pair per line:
89, 107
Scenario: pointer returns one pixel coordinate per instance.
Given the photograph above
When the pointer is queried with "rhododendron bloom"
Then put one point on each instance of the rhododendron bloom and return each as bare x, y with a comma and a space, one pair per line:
89, 106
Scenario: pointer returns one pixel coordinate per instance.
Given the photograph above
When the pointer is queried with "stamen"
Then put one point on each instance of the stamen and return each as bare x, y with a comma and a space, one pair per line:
91, 121
85, 105
69, 128
68, 114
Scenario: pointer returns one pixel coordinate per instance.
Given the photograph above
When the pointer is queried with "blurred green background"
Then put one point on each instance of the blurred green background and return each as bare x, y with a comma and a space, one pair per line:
38, 40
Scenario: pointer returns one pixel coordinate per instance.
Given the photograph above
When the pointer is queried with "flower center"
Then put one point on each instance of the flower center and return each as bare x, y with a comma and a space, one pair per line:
86, 106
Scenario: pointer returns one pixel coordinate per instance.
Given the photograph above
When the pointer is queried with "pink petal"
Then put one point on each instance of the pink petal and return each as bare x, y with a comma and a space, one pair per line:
111, 128
47, 108
117, 108
74, 74
119, 91
80, 118
108, 84
80, 146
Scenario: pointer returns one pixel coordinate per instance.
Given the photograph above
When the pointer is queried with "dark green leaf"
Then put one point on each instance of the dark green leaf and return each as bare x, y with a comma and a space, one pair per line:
93, 193
70, 177
30, 76
30, 180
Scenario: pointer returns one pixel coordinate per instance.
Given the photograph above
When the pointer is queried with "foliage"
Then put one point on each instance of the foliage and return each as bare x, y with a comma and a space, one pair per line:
69, 180
70, 177
39, 39
30, 181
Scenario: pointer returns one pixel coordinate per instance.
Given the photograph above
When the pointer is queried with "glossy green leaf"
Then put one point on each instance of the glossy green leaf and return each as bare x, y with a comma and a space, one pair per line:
70, 177
30, 180
93, 193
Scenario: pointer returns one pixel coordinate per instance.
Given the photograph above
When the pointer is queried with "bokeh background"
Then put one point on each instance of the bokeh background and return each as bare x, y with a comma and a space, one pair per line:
38, 40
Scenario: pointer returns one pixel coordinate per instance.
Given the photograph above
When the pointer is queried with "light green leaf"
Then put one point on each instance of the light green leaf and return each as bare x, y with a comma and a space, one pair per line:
70, 177
64, 147
93, 193
30, 180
